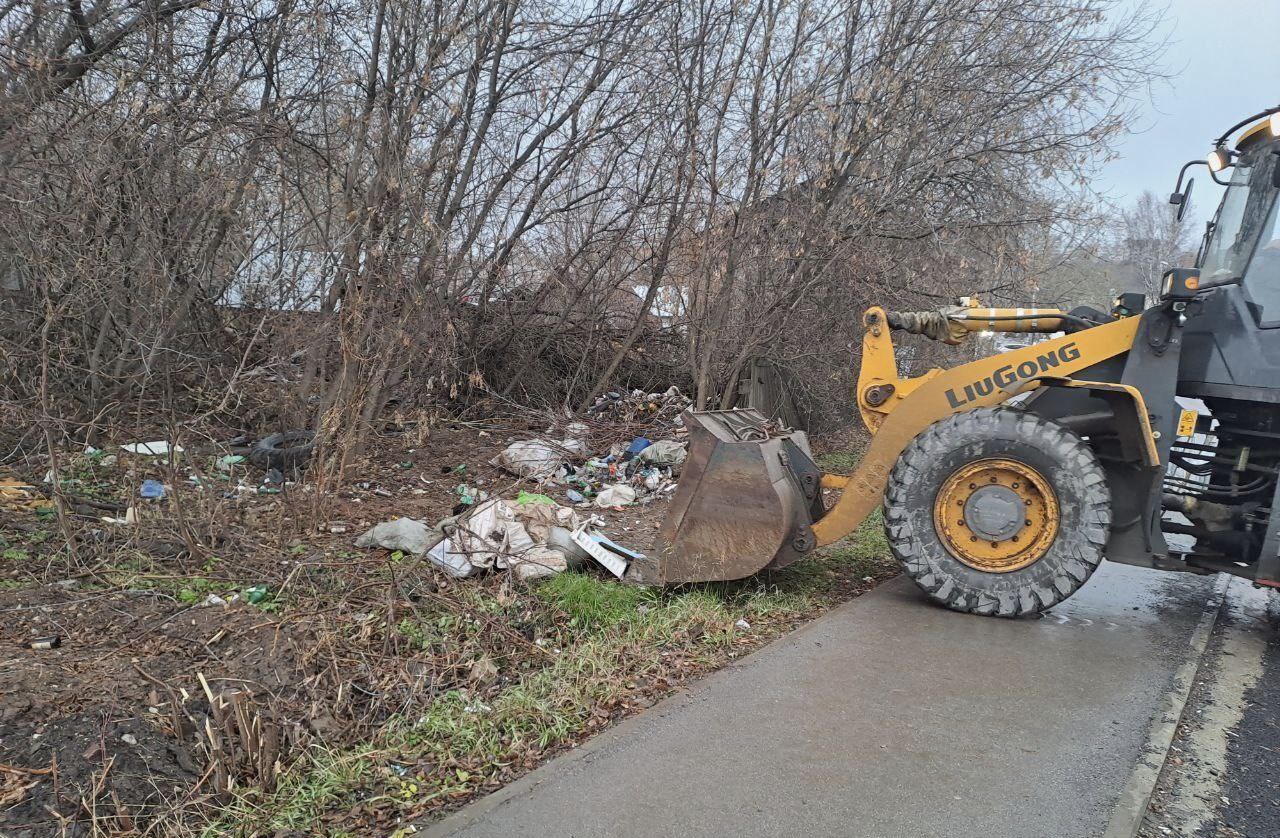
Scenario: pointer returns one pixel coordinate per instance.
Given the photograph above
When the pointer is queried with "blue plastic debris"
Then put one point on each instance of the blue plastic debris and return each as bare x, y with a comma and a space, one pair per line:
152, 489
637, 445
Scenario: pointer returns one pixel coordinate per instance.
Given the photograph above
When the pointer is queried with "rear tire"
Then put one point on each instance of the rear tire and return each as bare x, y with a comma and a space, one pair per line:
1073, 542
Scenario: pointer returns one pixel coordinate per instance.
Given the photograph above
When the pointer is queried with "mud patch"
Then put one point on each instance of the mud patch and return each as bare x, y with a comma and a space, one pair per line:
108, 725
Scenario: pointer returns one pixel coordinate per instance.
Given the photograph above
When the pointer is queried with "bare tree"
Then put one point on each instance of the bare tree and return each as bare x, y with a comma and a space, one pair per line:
459, 202
1149, 241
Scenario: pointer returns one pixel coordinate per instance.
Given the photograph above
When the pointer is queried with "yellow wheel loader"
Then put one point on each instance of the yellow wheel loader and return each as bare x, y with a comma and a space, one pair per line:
1148, 435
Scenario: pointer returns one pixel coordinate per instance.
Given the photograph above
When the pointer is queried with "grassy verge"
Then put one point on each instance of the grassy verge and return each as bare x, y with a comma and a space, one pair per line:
599, 652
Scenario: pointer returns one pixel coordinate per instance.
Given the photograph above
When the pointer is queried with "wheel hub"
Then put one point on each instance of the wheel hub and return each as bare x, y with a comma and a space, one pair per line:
994, 512
996, 515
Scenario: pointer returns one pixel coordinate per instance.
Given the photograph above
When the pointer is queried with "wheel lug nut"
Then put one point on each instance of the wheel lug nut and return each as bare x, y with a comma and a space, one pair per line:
1027, 523
973, 538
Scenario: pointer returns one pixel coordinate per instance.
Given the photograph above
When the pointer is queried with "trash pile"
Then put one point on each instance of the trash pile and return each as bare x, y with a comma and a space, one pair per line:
640, 406
637, 471
144, 467
541, 459
553, 526
536, 535
533, 537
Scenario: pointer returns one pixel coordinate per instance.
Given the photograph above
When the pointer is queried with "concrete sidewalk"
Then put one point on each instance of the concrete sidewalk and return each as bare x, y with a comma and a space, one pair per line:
886, 717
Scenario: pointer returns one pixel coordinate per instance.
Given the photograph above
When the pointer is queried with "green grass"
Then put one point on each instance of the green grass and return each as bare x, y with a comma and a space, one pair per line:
865, 547
36, 537
196, 588
138, 571
592, 602
863, 553
838, 462
602, 643
302, 795
615, 637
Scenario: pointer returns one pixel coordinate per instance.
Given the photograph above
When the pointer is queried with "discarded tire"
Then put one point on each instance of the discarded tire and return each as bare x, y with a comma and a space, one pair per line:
998, 511
286, 451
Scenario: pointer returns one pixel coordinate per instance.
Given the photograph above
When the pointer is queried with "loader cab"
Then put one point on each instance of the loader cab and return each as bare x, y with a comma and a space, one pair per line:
1232, 339
1242, 242
1230, 361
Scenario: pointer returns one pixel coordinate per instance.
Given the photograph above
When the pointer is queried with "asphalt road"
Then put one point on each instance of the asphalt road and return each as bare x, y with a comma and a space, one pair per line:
1223, 776
1252, 779
886, 717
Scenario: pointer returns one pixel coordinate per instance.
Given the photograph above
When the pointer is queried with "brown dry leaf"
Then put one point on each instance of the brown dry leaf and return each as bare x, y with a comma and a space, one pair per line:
14, 786
17, 494
483, 670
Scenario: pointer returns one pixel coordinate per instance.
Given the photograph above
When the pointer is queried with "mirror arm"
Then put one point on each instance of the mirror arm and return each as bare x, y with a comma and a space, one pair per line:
1177, 188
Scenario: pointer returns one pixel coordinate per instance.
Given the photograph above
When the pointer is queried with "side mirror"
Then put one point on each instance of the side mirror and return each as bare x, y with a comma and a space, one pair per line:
1182, 199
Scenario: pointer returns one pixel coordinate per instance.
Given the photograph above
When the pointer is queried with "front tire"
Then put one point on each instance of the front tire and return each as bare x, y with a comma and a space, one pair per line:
998, 511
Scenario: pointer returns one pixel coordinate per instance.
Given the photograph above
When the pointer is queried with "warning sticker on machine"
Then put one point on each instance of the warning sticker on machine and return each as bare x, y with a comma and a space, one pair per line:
1187, 423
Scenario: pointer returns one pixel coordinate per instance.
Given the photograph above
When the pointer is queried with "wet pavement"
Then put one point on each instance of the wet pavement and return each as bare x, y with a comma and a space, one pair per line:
887, 717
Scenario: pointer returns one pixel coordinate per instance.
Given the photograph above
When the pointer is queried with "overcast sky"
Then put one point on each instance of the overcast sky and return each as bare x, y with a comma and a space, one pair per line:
1225, 63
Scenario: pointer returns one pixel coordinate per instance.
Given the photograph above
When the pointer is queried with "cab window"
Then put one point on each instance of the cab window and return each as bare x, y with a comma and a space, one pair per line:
1262, 277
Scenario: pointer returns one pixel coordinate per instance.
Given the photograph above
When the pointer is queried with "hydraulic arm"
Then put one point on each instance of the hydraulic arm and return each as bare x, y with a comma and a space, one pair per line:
880, 389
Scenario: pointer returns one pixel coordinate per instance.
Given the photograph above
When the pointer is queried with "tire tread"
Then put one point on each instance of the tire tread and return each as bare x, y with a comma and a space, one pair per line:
1072, 568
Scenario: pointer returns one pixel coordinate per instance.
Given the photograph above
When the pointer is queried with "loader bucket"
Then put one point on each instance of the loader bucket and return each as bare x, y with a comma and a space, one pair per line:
747, 496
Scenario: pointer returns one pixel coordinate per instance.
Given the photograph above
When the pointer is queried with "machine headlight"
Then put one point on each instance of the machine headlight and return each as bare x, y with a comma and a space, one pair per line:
1274, 124
1180, 284
1218, 159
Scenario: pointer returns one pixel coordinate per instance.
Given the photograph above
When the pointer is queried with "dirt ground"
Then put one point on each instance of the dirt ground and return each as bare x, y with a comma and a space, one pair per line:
106, 708
154, 677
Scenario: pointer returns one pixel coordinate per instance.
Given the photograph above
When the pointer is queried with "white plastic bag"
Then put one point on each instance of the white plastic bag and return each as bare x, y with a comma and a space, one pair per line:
404, 534
538, 563
535, 458
160, 448
455, 562
490, 533
575, 446
619, 494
